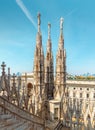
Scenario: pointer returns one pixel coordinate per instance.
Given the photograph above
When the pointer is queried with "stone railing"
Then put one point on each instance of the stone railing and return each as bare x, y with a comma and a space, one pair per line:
4, 103
59, 125
81, 82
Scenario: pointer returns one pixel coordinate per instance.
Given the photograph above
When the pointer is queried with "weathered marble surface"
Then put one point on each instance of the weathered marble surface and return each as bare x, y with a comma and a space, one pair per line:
14, 118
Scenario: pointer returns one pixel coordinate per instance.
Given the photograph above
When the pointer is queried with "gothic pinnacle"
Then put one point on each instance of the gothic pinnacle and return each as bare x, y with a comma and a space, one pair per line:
49, 31
3, 68
8, 71
39, 21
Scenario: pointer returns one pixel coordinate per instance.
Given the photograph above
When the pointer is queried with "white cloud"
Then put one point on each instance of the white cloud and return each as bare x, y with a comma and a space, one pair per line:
26, 12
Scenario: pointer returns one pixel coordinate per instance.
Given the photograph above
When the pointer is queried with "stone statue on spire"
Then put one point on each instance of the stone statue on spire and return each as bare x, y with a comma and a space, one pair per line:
61, 24
39, 21
49, 30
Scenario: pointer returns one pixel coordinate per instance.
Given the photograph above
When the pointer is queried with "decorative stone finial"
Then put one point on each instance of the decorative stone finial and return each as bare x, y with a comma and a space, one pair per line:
49, 30
3, 68
14, 76
61, 24
3, 64
8, 71
39, 21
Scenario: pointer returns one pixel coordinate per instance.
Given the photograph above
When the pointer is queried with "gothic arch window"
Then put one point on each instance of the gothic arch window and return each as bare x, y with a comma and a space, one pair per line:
47, 56
56, 113
80, 95
88, 116
87, 95
74, 94
93, 95
37, 67
29, 88
29, 85
86, 105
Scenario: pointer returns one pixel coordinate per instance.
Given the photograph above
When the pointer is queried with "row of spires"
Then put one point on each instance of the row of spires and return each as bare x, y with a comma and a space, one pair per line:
43, 67
11, 87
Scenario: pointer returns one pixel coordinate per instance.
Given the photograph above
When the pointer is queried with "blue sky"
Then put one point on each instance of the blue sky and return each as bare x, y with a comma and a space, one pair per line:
18, 32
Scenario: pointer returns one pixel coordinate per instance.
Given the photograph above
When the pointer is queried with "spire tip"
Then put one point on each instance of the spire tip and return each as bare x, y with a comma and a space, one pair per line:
49, 30
39, 21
